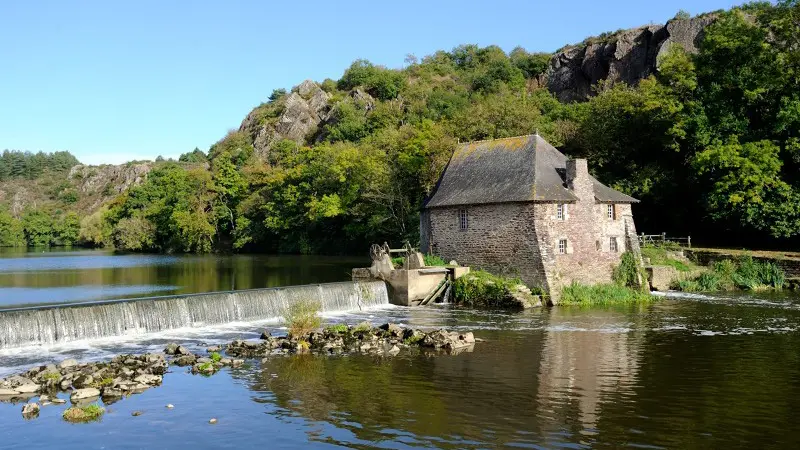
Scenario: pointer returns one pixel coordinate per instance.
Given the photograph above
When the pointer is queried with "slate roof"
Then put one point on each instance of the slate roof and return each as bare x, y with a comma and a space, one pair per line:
517, 169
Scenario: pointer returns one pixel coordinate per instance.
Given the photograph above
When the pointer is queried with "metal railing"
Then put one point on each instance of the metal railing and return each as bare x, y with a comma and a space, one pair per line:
660, 239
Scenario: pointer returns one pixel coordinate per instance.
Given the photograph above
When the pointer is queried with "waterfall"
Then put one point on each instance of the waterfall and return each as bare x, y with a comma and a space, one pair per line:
64, 323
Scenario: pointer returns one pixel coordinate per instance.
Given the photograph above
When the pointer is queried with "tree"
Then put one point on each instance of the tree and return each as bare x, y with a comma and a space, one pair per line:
11, 231
38, 228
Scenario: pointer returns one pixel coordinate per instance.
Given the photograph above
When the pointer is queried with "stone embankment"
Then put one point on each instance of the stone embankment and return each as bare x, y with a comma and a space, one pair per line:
126, 375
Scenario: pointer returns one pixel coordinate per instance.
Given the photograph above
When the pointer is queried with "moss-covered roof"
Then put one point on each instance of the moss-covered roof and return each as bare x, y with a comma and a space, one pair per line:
517, 169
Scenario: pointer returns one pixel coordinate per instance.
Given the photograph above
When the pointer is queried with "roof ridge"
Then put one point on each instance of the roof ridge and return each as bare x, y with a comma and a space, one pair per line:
498, 139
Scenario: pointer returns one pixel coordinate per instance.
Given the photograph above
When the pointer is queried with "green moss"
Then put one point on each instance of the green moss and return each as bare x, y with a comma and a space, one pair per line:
52, 376
77, 414
339, 328
108, 381
363, 327
602, 294
413, 340
216, 357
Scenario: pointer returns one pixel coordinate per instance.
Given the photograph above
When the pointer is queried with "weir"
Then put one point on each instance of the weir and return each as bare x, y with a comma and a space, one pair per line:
70, 322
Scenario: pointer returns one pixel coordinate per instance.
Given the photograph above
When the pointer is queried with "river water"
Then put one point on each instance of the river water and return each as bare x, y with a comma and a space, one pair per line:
690, 372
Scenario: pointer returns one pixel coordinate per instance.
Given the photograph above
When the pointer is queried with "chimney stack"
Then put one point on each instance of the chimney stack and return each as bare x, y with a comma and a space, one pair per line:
578, 179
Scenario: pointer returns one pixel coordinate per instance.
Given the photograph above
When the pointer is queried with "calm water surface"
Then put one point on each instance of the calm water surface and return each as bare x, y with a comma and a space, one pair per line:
84, 275
681, 373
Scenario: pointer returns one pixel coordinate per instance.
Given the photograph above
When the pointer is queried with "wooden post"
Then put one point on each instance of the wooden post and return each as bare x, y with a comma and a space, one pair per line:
689, 241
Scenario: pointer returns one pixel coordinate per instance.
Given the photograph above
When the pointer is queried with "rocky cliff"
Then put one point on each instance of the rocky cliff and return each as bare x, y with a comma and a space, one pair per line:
622, 57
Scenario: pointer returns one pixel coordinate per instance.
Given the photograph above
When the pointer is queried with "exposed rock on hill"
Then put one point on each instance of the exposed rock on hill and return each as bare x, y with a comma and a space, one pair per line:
626, 56
98, 183
298, 115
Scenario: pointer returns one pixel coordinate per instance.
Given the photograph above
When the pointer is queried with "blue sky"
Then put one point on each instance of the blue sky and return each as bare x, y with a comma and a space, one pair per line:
114, 81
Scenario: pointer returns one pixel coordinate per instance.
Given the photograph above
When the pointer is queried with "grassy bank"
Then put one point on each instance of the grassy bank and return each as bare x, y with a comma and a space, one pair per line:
480, 289
744, 273
602, 295
661, 256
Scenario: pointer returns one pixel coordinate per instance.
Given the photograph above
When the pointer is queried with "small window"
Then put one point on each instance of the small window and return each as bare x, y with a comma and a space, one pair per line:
562, 246
463, 220
561, 211
611, 212
612, 244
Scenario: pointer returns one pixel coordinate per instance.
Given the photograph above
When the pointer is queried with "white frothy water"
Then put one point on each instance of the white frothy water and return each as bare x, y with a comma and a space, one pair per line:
79, 322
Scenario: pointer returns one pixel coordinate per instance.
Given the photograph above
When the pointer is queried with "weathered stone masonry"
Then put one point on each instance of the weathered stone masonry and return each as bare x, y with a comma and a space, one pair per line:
522, 238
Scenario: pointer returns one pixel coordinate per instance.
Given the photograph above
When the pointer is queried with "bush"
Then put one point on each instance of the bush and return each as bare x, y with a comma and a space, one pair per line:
746, 274
339, 328
433, 260
602, 294
658, 257
627, 273
301, 317
484, 290
83, 413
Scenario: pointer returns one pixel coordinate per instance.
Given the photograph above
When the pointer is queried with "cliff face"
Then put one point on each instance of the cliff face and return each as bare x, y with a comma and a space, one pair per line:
623, 57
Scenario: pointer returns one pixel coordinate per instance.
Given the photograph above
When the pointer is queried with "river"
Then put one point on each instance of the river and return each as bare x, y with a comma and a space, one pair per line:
689, 372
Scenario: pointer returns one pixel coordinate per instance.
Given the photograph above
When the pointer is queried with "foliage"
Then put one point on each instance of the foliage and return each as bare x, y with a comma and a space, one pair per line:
87, 413
216, 357
363, 327
485, 290
12, 233
628, 272
302, 317
658, 257
601, 295
339, 328
745, 273
434, 260
27, 165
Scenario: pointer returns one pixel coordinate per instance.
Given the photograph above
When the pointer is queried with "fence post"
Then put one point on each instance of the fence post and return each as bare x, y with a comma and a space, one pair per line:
689, 241
664, 237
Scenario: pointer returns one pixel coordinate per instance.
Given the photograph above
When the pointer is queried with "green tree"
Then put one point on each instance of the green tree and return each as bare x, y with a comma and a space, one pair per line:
11, 231
38, 228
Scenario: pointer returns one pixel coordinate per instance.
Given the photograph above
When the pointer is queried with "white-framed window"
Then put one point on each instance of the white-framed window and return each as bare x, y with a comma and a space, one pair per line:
562, 246
610, 211
463, 220
612, 244
561, 211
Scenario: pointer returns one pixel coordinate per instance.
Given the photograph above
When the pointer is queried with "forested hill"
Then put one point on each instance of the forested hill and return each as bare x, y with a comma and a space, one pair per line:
698, 118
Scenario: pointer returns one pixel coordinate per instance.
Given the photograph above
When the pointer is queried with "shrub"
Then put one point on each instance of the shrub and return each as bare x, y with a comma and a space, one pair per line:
658, 257
746, 273
301, 317
363, 327
627, 273
433, 260
602, 294
83, 413
482, 289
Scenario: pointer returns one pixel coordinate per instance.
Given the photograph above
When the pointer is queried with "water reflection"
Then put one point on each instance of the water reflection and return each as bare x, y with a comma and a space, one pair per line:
93, 275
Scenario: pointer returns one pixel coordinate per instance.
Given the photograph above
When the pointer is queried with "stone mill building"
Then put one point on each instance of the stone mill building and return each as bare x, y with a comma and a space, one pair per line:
517, 206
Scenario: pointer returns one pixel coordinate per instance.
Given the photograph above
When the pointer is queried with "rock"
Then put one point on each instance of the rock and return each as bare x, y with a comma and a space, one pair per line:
212, 421
453, 263
393, 329
67, 363
181, 350
111, 392
64, 384
266, 335
152, 380
137, 413
203, 360
82, 394
27, 388
30, 410
16, 380
626, 56
237, 363
171, 348
213, 349
394, 350
83, 381
8, 392
468, 337
58, 401
170, 406
44, 398
186, 360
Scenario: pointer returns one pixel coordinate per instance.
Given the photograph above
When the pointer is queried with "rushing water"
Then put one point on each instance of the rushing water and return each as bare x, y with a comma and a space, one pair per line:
693, 372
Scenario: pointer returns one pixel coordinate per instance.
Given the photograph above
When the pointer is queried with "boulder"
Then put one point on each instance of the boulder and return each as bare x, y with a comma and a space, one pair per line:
181, 350
5, 392
186, 360
171, 348
27, 388
393, 329
152, 380
83, 394
30, 410
83, 381
67, 364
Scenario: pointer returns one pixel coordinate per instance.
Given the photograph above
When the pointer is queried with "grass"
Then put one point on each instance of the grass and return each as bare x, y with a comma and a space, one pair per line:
398, 262
97, 384
205, 367
302, 317
83, 413
363, 327
744, 273
52, 376
602, 295
658, 257
411, 340
433, 260
216, 357
339, 328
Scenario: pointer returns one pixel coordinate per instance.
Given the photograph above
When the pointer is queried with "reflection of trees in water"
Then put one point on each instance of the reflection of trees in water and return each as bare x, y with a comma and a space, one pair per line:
196, 273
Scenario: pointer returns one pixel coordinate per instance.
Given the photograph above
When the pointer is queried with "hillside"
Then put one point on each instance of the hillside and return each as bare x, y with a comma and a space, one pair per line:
698, 118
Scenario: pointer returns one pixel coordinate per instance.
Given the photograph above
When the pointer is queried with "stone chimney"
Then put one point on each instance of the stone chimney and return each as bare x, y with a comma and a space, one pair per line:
578, 179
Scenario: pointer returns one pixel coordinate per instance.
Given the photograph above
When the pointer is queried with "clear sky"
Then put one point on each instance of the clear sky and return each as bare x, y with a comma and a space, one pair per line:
113, 81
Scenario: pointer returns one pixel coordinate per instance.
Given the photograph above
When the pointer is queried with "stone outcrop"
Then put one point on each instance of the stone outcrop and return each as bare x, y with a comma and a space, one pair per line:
623, 57
302, 111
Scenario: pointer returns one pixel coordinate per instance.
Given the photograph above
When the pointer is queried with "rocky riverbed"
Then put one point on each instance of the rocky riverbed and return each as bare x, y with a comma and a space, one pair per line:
125, 375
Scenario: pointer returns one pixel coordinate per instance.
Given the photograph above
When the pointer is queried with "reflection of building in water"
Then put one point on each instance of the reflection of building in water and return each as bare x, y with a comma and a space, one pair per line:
586, 360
